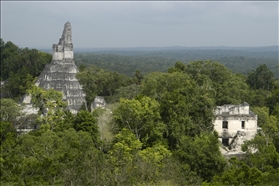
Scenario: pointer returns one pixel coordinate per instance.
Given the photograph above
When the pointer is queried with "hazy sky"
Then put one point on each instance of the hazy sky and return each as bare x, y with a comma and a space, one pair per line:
141, 24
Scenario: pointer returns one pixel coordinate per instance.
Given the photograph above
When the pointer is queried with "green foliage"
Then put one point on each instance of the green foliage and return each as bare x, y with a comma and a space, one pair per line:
7, 143
127, 65
139, 77
239, 174
150, 164
85, 121
7, 130
98, 82
9, 110
126, 146
185, 107
262, 153
127, 92
20, 67
273, 99
134, 166
142, 117
261, 78
202, 155
105, 125
50, 105
228, 88
267, 122
160, 132
127, 62
122, 155
257, 97
50, 157
46, 99
177, 173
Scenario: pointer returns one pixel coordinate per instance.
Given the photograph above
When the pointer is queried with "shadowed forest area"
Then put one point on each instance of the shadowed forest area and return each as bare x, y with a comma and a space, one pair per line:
157, 128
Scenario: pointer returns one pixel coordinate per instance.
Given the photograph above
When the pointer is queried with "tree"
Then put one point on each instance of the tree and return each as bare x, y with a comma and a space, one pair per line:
7, 143
151, 163
139, 77
122, 156
20, 67
202, 155
51, 158
127, 92
86, 122
262, 153
228, 88
99, 82
51, 107
267, 122
185, 107
142, 117
261, 78
239, 174
9, 110
178, 67
273, 99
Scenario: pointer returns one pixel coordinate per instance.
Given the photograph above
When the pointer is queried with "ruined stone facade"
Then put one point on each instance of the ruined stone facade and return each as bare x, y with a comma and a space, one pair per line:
99, 102
64, 50
235, 124
60, 74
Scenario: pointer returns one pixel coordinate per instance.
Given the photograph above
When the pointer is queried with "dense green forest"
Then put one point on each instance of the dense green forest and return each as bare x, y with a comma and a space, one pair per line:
19, 67
156, 130
127, 61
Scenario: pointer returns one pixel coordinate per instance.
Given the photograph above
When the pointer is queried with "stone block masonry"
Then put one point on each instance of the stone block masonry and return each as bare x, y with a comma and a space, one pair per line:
60, 74
235, 124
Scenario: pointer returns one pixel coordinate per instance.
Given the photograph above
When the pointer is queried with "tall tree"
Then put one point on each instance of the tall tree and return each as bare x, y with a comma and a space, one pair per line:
20, 67
202, 155
51, 107
85, 121
142, 117
99, 82
261, 78
228, 88
185, 107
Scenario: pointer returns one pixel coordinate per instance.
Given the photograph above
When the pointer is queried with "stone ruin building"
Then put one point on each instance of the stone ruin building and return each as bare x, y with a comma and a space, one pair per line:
235, 124
99, 102
60, 74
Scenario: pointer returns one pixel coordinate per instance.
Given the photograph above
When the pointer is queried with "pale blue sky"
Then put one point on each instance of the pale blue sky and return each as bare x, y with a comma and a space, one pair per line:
141, 24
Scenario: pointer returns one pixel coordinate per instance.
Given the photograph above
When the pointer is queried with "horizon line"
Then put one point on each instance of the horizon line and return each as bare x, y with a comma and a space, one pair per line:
171, 46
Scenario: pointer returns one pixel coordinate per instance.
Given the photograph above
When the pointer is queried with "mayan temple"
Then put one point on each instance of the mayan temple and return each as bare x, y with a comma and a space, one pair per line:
60, 74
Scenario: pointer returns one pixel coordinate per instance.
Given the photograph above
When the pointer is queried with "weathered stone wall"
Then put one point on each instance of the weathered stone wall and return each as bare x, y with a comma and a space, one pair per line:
233, 109
235, 125
60, 74
64, 49
238, 120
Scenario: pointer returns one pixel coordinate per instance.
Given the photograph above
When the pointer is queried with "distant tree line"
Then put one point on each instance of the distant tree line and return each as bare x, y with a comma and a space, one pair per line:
126, 62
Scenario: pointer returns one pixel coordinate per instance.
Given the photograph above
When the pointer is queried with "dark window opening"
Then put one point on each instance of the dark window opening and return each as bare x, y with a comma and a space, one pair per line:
243, 124
225, 142
225, 124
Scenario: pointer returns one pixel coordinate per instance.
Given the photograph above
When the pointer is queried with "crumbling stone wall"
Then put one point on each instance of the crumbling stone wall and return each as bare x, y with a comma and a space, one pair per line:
235, 124
60, 74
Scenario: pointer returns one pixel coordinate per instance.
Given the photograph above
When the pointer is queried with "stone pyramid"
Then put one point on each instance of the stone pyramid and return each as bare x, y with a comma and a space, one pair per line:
60, 74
